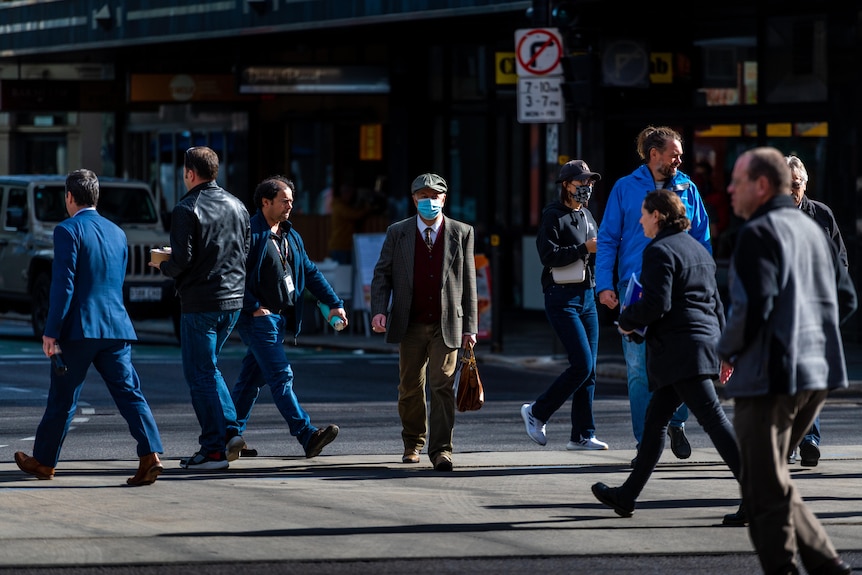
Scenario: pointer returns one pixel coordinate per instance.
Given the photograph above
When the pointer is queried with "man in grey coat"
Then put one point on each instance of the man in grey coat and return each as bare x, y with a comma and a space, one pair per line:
789, 293
428, 270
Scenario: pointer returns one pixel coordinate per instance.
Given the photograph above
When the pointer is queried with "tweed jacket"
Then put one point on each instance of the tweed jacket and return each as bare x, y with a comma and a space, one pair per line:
392, 283
789, 293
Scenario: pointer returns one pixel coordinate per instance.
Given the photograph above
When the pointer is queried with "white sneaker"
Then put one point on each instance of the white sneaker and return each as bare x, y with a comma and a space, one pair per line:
590, 443
535, 428
234, 447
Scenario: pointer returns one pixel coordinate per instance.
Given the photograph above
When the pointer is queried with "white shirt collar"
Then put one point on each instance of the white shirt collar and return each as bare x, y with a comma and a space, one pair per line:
435, 227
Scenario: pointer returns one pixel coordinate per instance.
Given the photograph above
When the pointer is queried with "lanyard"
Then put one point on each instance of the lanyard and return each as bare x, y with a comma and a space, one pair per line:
281, 246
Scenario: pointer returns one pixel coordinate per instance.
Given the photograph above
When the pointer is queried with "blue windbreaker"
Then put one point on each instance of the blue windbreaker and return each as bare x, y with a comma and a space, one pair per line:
621, 238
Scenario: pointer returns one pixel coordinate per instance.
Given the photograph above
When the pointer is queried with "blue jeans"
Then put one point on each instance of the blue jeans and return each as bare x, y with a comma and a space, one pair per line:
202, 335
813, 434
571, 311
638, 384
112, 358
265, 363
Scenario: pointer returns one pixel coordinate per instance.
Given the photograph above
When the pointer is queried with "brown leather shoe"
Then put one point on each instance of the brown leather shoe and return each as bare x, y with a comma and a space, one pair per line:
411, 455
29, 465
443, 462
148, 471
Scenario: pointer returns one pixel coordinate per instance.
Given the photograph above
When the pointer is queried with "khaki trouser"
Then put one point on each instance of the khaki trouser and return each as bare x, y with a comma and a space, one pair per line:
425, 358
780, 522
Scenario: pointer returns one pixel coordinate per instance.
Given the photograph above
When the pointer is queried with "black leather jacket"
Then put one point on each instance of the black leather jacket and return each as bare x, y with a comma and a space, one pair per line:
210, 238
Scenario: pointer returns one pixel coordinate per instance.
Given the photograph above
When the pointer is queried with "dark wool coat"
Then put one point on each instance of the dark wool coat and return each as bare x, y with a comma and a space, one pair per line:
680, 307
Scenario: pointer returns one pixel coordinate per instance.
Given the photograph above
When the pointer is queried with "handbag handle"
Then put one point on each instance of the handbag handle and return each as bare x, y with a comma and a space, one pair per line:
469, 356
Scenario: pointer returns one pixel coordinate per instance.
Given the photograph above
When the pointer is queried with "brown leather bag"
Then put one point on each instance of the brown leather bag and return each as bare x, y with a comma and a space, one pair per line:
469, 393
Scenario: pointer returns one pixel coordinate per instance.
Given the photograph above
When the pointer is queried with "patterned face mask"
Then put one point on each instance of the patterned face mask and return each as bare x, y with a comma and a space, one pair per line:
582, 193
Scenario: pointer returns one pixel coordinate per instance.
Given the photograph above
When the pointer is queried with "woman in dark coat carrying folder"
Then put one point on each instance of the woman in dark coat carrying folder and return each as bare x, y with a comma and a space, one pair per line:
681, 306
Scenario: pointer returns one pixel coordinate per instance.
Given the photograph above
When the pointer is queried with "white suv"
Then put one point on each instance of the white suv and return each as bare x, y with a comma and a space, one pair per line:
30, 207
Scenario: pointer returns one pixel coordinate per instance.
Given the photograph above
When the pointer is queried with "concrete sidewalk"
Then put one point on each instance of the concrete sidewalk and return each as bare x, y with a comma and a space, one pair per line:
371, 508
497, 513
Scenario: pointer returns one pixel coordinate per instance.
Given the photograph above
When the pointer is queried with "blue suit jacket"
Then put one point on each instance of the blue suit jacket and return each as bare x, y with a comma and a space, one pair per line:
90, 256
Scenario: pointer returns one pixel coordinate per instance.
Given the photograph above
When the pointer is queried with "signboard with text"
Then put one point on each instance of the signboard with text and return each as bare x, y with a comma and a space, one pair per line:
538, 57
540, 100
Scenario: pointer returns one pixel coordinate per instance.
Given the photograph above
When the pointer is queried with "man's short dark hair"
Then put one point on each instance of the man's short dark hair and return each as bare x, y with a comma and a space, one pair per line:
84, 187
203, 161
270, 187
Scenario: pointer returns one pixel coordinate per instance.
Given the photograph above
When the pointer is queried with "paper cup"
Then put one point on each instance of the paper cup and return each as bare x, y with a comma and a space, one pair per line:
159, 255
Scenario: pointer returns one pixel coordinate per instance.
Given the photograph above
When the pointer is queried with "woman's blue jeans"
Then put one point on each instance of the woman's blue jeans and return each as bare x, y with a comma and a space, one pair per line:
571, 311
202, 335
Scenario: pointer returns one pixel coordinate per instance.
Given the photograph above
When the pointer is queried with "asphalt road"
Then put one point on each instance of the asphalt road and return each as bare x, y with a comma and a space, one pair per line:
510, 506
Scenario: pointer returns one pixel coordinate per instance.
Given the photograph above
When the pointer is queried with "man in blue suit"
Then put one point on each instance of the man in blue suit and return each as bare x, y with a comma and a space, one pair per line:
87, 316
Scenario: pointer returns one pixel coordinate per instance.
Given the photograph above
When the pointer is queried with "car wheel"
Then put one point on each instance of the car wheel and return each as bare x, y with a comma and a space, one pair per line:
39, 306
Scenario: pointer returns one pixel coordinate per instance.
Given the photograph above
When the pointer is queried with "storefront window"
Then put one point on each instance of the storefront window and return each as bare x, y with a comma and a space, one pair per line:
729, 71
795, 69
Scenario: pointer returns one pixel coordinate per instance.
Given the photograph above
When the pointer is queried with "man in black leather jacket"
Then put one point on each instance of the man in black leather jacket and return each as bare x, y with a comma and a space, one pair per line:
210, 238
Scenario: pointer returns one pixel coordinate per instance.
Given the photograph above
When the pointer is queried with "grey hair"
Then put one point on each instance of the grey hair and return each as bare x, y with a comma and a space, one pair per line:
797, 166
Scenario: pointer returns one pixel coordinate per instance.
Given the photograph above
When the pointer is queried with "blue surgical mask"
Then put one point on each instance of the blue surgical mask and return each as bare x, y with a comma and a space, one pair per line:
429, 208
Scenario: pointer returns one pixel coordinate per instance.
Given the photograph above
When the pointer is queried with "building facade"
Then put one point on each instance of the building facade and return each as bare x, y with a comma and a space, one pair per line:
370, 94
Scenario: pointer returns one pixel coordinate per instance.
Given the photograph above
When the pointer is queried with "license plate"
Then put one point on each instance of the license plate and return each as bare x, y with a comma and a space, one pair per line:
145, 294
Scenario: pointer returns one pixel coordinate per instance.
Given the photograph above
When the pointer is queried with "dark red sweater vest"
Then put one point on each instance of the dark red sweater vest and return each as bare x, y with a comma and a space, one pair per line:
427, 280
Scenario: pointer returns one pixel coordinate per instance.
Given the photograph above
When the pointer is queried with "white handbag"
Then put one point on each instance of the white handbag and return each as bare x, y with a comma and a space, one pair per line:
573, 273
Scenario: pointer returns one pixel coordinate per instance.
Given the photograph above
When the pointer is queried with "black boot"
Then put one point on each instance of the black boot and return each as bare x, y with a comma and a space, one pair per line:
738, 519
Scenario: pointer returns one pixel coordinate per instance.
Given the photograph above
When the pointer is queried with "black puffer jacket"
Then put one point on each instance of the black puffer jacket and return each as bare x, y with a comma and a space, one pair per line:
210, 238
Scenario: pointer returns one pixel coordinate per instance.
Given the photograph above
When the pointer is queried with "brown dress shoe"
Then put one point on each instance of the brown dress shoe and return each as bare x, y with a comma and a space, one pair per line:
443, 462
148, 471
29, 465
411, 455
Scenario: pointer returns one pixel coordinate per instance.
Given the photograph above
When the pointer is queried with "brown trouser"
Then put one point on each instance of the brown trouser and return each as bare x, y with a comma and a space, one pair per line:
780, 522
424, 357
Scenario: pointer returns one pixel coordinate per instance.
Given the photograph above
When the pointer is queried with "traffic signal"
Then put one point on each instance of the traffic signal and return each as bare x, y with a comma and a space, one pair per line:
563, 15
553, 14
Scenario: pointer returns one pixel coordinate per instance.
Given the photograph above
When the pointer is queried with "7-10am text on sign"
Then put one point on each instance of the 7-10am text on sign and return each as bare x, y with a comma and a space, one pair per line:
538, 52
541, 101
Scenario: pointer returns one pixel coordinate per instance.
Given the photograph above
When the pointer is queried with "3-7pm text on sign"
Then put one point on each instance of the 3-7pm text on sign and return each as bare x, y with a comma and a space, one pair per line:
541, 101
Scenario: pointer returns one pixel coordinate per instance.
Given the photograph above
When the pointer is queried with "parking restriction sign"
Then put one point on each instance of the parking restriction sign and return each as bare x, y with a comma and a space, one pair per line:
541, 101
538, 51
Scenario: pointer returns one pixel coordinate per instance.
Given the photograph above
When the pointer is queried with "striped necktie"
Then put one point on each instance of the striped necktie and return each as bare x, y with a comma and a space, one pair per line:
428, 241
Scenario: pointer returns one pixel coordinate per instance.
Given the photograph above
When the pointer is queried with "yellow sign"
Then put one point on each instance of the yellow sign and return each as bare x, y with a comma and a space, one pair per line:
370, 142
507, 72
661, 67
779, 130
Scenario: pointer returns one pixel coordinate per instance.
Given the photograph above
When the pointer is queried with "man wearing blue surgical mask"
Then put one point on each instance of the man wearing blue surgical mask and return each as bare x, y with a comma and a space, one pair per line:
427, 269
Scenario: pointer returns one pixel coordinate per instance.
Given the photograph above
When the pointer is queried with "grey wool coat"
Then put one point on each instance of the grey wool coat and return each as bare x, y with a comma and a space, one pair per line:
393, 280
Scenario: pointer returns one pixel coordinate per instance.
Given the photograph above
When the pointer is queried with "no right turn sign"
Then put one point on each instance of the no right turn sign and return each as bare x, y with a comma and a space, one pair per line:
538, 51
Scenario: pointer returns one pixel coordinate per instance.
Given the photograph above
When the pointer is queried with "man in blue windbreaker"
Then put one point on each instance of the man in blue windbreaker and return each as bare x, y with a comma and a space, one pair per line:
621, 243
